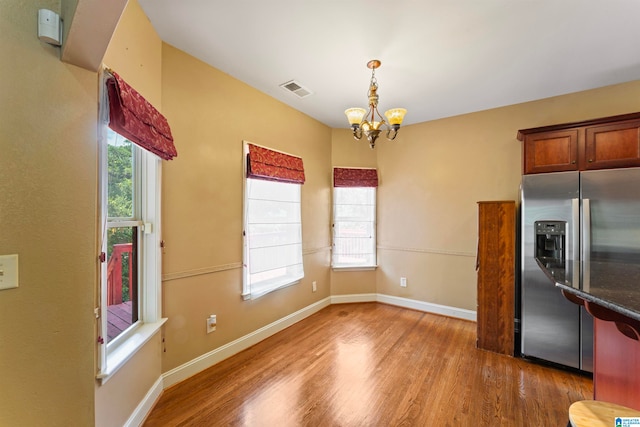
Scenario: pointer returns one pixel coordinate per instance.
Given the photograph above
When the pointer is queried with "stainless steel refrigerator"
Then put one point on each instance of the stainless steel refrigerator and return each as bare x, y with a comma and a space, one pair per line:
569, 218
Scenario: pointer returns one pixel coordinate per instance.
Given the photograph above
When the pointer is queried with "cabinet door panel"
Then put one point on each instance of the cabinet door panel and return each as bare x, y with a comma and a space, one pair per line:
551, 152
496, 276
613, 146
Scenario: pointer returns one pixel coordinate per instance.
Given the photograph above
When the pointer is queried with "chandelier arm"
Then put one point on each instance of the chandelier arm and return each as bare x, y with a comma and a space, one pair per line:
392, 132
357, 133
365, 118
383, 122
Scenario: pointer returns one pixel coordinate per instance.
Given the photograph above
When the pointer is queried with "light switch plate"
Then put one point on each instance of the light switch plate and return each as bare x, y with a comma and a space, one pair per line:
211, 323
8, 271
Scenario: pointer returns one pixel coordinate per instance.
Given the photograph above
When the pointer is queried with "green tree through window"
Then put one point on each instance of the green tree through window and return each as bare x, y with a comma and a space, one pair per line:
120, 159
120, 201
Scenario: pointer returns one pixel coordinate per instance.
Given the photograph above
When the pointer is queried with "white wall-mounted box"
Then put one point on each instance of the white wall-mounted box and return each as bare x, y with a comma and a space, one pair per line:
8, 271
49, 27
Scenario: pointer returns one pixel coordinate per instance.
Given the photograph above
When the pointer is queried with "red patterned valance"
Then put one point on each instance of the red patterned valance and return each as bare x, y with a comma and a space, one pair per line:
136, 119
353, 177
263, 163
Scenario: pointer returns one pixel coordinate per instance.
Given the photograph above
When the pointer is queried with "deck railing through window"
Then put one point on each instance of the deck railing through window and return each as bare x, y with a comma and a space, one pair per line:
121, 291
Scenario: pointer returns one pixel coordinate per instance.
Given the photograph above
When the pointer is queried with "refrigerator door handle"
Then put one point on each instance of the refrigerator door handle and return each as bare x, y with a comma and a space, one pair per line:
585, 254
574, 256
575, 231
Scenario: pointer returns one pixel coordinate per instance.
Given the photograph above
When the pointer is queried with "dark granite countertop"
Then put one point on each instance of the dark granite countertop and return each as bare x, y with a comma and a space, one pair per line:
610, 284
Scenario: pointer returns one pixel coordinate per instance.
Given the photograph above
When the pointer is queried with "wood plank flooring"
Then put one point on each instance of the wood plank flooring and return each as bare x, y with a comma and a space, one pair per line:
118, 319
372, 364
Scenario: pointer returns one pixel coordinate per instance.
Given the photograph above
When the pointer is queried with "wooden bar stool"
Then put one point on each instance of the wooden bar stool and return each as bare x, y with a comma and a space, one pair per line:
594, 413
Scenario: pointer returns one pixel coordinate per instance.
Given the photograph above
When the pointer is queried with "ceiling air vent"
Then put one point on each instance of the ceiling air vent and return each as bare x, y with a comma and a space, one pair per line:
296, 88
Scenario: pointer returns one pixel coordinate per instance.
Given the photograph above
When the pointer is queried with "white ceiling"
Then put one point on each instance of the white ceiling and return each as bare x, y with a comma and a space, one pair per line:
440, 58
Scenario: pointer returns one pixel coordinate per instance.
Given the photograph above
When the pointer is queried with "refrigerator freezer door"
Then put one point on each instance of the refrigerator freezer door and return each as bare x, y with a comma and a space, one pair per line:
550, 324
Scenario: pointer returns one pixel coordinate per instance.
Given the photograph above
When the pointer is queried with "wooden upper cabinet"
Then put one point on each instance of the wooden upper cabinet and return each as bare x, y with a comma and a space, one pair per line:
553, 151
613, 146
606, 143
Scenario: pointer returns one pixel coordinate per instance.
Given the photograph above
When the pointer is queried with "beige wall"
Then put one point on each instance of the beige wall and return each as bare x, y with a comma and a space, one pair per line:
135, 53
433, 174
48, 217
116, 400
210, 115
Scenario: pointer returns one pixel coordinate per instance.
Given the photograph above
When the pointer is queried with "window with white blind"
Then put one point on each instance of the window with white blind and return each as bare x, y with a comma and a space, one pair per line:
354, 218
354, 227
272, 223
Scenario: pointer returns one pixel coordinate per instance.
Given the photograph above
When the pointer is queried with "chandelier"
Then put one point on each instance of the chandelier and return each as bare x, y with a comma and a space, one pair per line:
370, 123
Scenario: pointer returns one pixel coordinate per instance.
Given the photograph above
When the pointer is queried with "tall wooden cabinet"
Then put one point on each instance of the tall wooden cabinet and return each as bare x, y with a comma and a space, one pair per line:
610, 142
496, 276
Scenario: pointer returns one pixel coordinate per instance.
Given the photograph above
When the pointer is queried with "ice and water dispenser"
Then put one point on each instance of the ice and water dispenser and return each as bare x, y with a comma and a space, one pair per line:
550, 240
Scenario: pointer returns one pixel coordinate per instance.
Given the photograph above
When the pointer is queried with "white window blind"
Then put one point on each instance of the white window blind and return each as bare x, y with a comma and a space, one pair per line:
354, 227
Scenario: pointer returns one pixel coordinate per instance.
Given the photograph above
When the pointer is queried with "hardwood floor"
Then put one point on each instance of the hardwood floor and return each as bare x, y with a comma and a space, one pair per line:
372, 364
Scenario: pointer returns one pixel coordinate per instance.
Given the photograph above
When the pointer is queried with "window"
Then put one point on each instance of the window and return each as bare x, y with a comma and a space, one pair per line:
272, 223
129, 309
124, 225
130, 274
354, 218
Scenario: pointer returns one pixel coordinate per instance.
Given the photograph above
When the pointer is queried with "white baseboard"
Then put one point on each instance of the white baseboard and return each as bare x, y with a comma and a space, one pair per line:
348, 299
144, 407
428, 307
207, 360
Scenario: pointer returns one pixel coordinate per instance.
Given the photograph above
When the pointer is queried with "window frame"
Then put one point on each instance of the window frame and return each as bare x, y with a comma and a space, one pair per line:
246, 286
373, 220
135, 220
112, 356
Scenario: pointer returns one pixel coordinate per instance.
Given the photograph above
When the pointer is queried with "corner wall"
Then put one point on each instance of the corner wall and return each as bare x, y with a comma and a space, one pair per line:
433, 175
211, 114
348, 152
135, 53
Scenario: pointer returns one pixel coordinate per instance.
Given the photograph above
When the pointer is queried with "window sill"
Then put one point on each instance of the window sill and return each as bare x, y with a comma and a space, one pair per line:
262, 292
359, 268
119, 355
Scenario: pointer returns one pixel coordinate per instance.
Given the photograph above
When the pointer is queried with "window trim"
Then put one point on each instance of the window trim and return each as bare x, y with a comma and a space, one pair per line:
369, 268
112, 356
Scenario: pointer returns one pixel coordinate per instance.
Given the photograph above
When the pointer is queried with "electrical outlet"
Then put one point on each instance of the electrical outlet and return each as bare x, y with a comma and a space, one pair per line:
314, 286
211, 323
403, 282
